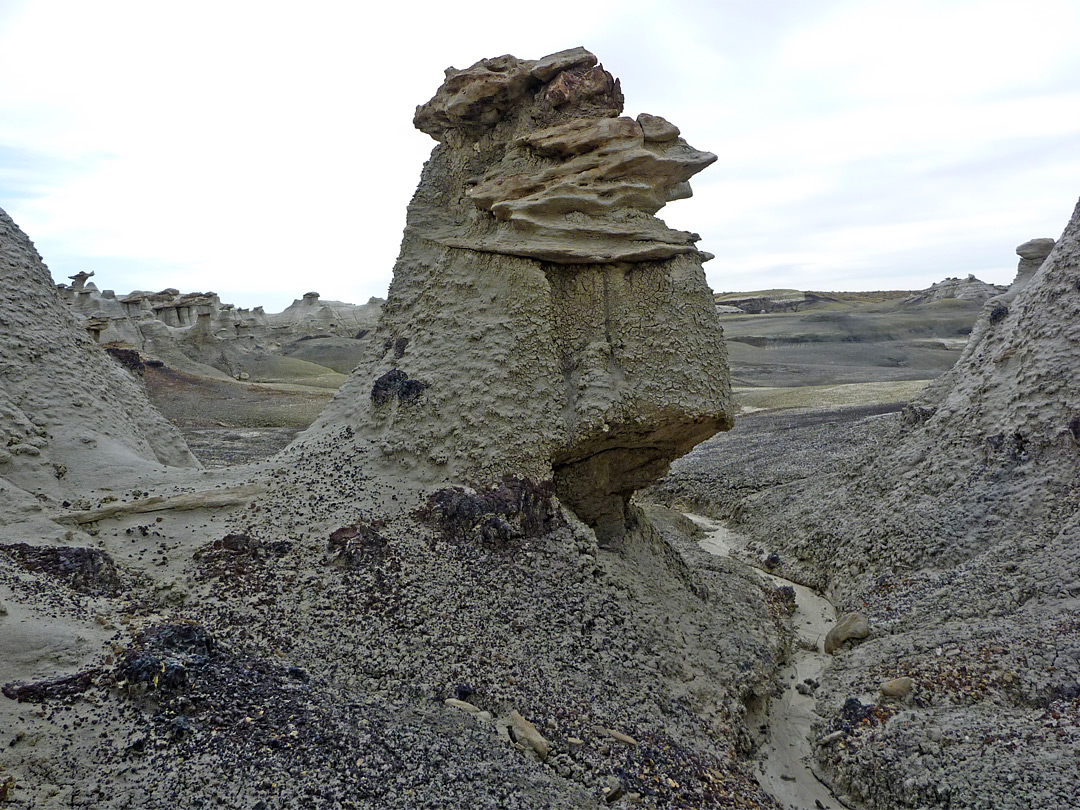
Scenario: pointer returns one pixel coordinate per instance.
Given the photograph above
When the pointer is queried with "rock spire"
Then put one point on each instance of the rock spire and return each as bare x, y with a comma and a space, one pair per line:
542, 322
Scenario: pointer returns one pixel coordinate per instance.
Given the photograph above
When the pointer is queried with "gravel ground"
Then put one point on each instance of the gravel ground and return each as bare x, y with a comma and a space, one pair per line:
986, 630
253, 661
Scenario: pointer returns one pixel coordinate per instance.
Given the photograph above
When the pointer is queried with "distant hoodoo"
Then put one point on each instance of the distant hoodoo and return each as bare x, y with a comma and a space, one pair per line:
554, 327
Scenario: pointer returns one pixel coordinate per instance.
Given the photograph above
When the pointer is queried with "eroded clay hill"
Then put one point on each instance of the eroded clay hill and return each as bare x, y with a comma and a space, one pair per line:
991, 446
542, 322
69, 415
954, 529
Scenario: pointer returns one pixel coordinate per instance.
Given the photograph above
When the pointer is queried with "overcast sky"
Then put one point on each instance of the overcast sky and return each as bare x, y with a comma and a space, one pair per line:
265, 149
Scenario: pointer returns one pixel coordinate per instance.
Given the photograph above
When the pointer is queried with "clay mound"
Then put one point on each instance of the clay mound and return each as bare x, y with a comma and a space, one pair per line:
967, 289
542, 322
954, 528
988, 448
69, 415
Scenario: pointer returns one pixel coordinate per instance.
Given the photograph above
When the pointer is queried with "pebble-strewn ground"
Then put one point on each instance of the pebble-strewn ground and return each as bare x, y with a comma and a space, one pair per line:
990, 640
250, 662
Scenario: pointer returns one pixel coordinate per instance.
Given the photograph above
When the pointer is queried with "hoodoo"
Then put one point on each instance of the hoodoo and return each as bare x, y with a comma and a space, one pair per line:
542, 322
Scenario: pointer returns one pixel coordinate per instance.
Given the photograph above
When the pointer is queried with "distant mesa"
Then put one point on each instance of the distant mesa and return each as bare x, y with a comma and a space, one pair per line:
759, 302
762, 301
967, 289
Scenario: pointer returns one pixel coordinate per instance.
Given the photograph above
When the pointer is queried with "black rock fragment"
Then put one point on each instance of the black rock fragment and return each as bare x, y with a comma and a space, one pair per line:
40, 691
395, 384
494, 518
88, 571
353, 544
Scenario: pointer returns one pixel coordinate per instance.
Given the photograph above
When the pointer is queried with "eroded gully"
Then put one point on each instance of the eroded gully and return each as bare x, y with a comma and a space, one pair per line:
784, 769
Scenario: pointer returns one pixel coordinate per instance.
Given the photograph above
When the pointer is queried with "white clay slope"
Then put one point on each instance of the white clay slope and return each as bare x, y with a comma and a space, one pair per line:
70, 417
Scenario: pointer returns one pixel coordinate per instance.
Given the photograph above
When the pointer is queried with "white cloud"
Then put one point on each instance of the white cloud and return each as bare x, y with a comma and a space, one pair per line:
266, 149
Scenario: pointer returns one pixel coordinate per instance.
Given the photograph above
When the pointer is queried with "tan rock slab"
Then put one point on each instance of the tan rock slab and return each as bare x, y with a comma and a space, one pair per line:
464, 705
849, 626
618, 736
526, 733
897, 687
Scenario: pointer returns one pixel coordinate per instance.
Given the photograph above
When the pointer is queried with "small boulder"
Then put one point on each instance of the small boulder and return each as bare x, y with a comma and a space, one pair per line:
526, 734
849, 626
897, 687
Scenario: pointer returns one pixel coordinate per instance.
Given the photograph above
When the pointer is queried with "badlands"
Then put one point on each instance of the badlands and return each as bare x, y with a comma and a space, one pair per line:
554, 541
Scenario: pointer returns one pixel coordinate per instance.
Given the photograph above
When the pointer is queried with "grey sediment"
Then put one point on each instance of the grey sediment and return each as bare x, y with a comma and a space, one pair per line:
785, 768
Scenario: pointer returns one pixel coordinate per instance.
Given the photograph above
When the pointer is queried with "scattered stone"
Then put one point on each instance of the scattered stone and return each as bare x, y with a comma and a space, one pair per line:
525, 733
855, 711
897, 687
832, 737
465, 706
626, 739
849, 626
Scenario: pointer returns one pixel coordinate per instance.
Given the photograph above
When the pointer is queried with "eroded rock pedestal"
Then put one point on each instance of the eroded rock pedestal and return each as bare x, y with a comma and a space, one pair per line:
542, 322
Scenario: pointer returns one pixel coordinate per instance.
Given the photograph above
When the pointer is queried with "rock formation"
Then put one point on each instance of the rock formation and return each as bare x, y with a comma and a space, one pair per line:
967, 289
1032, 254
195, 332
542, 322
1011, 386
68, 413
